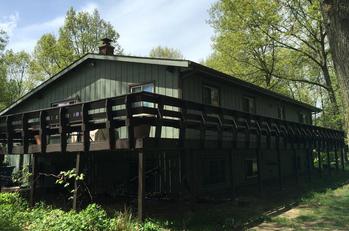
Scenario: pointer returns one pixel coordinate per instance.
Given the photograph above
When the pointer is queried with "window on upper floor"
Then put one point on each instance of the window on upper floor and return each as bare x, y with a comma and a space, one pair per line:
303, 118
210, 95
248, 104
147, 87
281, 112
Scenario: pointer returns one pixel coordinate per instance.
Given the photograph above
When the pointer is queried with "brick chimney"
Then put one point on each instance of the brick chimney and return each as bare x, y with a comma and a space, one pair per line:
106, 48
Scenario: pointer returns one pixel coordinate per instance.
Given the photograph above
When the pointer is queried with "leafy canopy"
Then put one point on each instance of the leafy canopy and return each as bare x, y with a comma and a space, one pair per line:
80, 34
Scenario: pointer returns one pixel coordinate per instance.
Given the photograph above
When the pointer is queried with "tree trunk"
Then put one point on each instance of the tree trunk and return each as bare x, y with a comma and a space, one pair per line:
336, 15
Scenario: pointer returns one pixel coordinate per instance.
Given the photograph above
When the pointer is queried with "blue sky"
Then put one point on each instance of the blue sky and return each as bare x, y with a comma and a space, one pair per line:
142, 24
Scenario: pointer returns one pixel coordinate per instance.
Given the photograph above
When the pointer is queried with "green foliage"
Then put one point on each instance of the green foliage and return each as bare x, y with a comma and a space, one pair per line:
80, 34
165, 52
15, 215
280, 45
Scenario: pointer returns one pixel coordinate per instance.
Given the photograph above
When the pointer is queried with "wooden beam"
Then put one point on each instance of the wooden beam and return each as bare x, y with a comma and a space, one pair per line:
33, 182
319, 158
259, 163
140, 186
231, 171
278, 153
328, 159
336, 156
76, 183
309, 158
342, 157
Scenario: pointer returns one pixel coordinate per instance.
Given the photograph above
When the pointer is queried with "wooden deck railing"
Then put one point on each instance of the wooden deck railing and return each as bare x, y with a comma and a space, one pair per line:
30, 132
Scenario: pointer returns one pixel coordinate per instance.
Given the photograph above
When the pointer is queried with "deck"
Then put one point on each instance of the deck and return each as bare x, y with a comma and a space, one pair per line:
31, 132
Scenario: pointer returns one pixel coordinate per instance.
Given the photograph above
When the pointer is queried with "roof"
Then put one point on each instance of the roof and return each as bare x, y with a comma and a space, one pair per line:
165, 62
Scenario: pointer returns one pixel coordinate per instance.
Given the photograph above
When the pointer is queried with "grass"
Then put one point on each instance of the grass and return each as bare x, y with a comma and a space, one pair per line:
323, 208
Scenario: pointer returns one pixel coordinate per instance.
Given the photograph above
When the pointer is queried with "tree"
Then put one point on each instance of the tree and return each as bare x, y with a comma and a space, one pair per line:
3, 42
80, 34
18, 83
165, 52
280, 45
336, 13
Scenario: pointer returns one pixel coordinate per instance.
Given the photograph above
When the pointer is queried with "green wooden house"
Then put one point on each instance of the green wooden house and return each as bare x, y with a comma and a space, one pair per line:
191, 169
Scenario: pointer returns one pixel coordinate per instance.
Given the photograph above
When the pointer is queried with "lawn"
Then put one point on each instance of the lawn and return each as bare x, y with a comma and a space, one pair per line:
319, 211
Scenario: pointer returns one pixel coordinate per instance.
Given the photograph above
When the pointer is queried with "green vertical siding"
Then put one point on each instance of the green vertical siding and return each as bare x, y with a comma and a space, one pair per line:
105, 79
231, 97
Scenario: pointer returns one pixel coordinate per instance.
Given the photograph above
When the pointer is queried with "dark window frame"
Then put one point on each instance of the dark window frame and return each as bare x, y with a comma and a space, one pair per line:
254, 103
282, 115
211, 86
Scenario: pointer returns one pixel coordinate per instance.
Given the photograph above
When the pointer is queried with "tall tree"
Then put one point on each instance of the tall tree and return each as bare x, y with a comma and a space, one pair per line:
336, 13
80, 34
165, 52
18, 83
3, 42
274, 42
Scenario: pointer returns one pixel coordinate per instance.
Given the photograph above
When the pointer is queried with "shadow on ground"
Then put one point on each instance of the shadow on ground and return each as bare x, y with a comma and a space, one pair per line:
248, 209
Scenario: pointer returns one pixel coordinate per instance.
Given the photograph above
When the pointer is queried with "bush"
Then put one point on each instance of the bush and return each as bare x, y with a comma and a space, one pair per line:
15, 216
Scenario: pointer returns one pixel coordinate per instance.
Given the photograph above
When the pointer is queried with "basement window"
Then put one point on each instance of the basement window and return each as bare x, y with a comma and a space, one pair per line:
210, 95
251, 168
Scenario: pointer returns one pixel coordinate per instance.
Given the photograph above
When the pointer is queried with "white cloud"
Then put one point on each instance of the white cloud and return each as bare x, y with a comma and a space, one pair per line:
9, 23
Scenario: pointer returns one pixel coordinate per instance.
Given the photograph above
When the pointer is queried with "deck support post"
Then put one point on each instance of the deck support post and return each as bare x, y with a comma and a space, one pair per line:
278, 153
231, 171
336, 156
34, 179
319, 158
342, 157
309, 157
295, 162
328, 159
76, 183
259, 163
140, 198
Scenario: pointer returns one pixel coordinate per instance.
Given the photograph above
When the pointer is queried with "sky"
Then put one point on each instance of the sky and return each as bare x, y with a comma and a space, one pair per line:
142, 24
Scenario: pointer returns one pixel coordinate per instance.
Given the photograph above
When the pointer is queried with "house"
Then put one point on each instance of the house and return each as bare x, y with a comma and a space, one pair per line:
207, 131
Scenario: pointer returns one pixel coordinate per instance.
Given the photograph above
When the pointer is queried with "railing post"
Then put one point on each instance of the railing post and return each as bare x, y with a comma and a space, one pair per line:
130, 122
25, 142
158, 128
43, 131
109, 124
85, 127
9, 133
63, 129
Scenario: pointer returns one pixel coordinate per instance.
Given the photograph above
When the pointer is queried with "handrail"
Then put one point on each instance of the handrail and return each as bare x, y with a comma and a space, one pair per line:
124, 111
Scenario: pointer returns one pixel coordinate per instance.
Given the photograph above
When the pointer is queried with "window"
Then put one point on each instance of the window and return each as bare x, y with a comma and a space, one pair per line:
251, 168
303, 118
248, 104
281, 112
211, 95
147, 87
